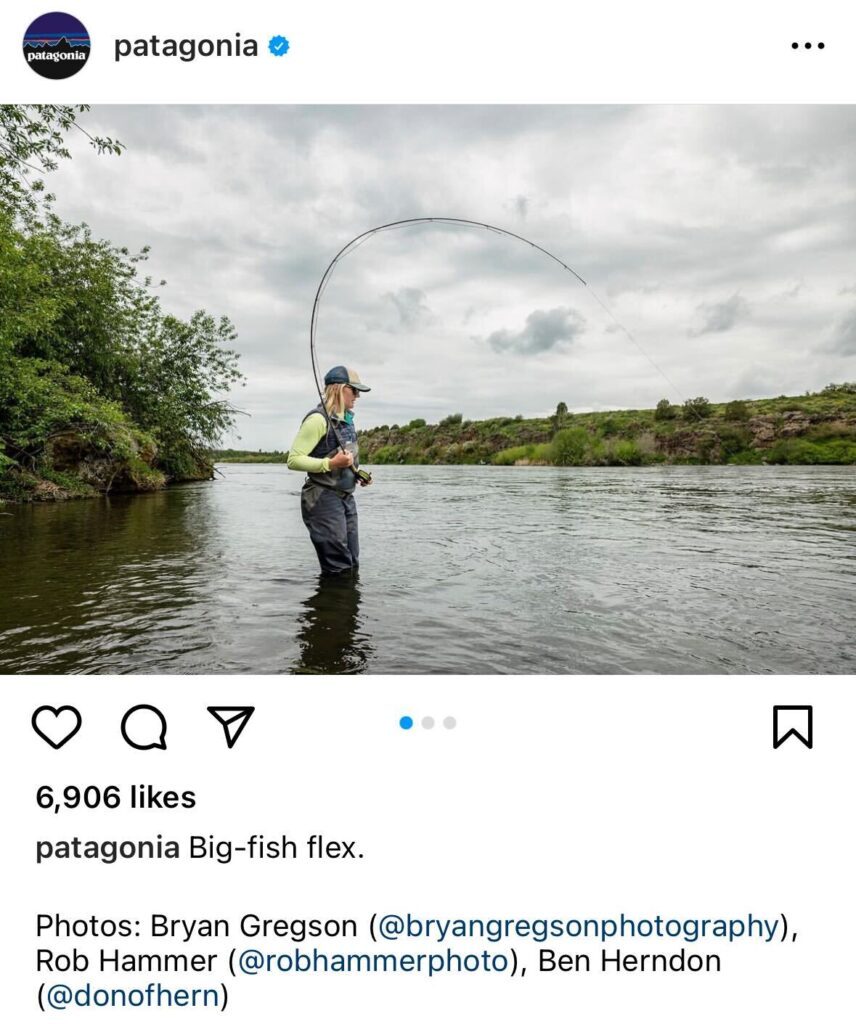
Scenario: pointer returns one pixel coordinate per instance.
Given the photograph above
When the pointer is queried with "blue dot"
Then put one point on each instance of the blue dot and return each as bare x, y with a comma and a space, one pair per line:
406, 722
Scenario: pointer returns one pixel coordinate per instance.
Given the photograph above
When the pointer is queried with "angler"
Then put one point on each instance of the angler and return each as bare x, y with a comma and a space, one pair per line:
326, 449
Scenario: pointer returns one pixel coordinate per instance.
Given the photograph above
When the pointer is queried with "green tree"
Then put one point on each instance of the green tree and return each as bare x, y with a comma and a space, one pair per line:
87, 353
32, 142
183, 370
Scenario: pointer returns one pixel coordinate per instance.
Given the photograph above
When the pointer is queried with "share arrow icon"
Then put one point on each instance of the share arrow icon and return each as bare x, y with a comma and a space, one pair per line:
233, 721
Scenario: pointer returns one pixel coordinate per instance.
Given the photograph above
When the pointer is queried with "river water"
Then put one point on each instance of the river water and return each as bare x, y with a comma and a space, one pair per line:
465, 569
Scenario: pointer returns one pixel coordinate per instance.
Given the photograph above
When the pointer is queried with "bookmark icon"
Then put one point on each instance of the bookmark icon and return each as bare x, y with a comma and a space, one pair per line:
793, 720
233, 720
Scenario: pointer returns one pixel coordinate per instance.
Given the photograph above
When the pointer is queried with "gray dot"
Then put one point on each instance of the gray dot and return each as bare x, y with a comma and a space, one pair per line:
428, 722
449, 722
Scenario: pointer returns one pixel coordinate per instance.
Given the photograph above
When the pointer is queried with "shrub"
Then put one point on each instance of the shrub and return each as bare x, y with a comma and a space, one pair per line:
41, 402
389, 453
626, 453
832, 430
665, 410
733, 440
451, 421
748, 457
508, 456
737, 410
541, 454
569, 447
840, 453
413, 424
798, 452
697, 408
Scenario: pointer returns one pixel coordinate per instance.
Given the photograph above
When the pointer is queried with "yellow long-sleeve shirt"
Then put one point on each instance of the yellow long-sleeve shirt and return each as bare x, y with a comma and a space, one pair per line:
312, 429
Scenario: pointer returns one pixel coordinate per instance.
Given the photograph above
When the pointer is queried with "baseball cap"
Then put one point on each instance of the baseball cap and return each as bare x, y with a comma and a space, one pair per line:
342, 375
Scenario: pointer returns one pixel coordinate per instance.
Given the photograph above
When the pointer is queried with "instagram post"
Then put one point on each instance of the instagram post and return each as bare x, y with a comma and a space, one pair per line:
427, 502
598, 421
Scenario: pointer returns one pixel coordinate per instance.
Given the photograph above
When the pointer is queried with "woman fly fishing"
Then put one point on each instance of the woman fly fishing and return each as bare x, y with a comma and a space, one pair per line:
326, 449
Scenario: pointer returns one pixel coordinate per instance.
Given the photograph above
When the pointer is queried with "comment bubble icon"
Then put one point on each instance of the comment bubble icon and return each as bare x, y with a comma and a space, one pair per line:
144, 727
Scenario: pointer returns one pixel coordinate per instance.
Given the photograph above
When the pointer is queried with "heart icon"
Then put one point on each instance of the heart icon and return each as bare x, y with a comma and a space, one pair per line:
56, 725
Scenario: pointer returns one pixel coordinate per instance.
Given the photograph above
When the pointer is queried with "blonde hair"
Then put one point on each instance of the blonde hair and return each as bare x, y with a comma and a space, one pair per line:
334, 399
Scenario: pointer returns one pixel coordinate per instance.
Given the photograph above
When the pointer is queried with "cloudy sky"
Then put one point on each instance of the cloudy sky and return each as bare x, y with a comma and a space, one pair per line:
721, 238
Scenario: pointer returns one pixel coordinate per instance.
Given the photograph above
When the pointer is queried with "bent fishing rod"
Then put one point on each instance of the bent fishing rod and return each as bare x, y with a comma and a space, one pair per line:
356, 242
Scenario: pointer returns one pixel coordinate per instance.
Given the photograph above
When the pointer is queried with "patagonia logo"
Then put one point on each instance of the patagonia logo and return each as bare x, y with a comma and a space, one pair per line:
56, 45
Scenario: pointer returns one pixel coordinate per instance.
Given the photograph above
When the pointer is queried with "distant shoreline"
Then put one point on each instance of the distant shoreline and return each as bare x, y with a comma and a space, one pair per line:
811, 429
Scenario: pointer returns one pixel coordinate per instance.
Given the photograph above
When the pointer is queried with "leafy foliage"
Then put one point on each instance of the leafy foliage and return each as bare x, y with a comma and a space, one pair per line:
697, 408
746, 434
665, 410
570, 446
85, 346
32, 142
509, 456
736, 410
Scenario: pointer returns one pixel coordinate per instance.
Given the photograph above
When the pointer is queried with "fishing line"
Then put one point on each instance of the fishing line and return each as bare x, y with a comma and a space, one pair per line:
360, 239
621, 327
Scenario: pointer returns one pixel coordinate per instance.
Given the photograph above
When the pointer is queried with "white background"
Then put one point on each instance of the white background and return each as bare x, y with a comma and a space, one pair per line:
551, 798
575, 798
450, 51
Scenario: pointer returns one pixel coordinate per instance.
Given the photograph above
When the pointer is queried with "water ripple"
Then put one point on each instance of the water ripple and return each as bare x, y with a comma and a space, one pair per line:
465, 569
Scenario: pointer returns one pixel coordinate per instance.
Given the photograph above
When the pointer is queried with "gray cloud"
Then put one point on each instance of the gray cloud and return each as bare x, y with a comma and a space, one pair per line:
716, 317
793, 291
520, 206
411, 307
664, 210
545, 329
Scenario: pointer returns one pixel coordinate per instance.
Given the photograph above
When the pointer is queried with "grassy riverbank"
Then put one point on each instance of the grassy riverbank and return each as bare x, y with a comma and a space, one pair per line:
811, 429
235, 455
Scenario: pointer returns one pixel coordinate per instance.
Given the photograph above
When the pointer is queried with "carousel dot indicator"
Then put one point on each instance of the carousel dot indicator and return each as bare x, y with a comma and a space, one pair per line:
406, 722
449, 722
427, 722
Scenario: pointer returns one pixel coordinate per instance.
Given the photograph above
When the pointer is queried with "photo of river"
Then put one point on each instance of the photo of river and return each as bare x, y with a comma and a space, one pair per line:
465, 569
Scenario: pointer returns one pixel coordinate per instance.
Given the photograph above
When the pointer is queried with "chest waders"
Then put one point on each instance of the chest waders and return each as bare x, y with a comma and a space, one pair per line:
327, 501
